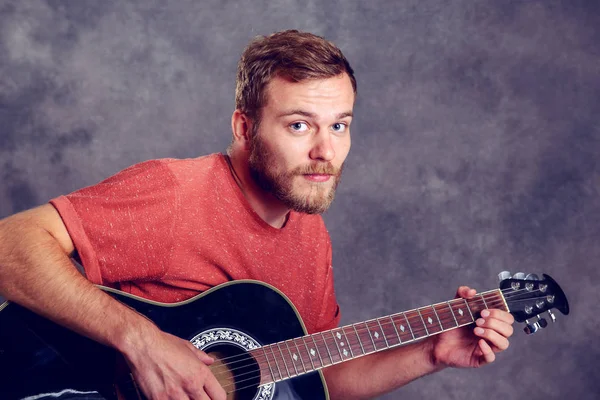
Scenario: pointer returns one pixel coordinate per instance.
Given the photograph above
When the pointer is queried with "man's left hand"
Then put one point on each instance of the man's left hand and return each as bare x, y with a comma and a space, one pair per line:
469, 347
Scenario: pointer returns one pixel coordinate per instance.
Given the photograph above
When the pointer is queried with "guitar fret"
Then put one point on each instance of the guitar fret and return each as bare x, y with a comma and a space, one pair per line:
291, 357
390, 333
469, 308
318, 351
300, 354
383, 333
272, 377
462, 317
396, 329
353, 339
430, 316
409, 327
274, 374
452, 311
358, 339
443, 316
483, 298
276, 363
438, 317
336, 356
370, 336
423, 321
327, 348
402, 328
309, 354
348, 342
284, 362
419, 329
336, 345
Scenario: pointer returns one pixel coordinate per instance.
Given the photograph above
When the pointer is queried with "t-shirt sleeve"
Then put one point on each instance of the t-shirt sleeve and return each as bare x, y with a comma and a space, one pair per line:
330, 315
122, 226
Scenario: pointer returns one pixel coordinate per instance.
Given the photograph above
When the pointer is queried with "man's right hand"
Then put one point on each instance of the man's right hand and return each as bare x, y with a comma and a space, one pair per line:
36, 272
167, 367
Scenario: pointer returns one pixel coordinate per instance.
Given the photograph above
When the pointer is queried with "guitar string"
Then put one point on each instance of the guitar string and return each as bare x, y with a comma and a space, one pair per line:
341, 358
322, 366
354, 347
362, 330
453, 301
289, 375
415, 317
418, 333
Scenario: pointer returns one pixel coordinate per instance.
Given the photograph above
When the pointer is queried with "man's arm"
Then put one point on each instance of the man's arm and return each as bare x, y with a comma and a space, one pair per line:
36, 272
376, 374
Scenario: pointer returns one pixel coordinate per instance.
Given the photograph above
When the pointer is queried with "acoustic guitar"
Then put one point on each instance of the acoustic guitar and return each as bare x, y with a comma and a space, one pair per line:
262, 349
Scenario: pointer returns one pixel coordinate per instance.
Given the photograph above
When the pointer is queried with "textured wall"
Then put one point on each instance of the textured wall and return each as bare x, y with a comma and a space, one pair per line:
475, 144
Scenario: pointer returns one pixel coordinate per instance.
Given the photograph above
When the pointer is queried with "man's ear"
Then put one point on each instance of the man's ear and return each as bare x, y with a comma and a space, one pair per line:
241, 126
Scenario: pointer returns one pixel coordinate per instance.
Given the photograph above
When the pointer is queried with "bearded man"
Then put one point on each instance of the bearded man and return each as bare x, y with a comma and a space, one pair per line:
169, 229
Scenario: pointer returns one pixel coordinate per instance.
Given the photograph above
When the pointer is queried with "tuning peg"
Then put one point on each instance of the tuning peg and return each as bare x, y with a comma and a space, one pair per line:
504, 275
542, 322
532, 277
531, 328
519, 275
552, 316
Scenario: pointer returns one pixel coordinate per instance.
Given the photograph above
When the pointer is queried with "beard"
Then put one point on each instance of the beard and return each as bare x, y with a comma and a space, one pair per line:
314, 200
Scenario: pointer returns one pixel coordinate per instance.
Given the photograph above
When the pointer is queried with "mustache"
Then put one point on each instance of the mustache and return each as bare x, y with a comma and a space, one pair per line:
325, 168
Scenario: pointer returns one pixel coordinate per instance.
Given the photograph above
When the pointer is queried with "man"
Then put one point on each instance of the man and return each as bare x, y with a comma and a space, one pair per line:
168, 229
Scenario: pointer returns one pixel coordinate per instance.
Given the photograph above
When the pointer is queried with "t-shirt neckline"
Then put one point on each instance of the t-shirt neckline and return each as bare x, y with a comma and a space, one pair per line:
246, 204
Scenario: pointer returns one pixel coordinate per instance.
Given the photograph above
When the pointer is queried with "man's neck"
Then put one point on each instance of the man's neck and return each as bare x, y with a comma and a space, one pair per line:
268, 208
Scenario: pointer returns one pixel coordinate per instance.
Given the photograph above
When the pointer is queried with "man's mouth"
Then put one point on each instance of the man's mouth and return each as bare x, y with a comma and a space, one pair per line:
317, 177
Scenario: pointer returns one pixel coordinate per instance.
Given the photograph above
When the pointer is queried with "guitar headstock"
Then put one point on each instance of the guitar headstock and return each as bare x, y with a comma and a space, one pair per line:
528, 296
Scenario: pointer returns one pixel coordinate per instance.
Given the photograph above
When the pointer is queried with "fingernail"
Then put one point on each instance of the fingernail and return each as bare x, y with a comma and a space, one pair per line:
480, 321
485, 313
479, 331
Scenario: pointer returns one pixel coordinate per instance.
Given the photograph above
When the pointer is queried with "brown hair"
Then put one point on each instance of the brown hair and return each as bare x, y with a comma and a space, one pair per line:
290, 54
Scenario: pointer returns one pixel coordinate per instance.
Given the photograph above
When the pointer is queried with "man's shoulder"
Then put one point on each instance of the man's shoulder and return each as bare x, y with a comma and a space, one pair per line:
182, 169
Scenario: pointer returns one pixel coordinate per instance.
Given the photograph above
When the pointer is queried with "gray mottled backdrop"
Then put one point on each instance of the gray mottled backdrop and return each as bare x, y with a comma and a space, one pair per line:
475, 144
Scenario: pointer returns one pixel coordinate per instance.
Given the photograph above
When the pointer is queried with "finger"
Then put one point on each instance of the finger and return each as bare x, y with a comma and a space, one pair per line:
205, 358
487, 352
492, 337
214, 389
499, 314
465, 292
497, 325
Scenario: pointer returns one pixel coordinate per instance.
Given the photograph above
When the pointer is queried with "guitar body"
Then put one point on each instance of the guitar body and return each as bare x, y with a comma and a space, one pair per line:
38, 356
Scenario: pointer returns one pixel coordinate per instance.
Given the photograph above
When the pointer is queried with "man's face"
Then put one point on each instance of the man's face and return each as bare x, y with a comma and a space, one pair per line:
298, 151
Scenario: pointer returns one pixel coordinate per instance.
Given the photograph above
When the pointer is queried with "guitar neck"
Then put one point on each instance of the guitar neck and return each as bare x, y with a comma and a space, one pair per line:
290, 358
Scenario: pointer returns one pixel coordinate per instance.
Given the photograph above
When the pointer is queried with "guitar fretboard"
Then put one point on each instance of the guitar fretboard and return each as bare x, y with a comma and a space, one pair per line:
290, 358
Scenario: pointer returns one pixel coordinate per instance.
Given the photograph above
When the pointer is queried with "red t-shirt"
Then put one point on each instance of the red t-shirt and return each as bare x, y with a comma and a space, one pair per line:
168, 229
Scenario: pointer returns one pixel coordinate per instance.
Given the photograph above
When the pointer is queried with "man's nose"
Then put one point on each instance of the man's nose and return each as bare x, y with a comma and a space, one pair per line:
323, 147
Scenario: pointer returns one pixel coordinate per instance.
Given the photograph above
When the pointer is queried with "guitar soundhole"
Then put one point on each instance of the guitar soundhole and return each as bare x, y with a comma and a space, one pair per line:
236, 370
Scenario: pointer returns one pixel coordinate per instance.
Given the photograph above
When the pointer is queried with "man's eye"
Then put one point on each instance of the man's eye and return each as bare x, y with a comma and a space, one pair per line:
339, 127
299, 126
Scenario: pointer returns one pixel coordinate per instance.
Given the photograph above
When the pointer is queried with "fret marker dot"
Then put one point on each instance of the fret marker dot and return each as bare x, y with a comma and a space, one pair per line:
402, 328
345, 353
342, 344
460, 311
312, 352
295, 357
339, 335
376, 335
430, 320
